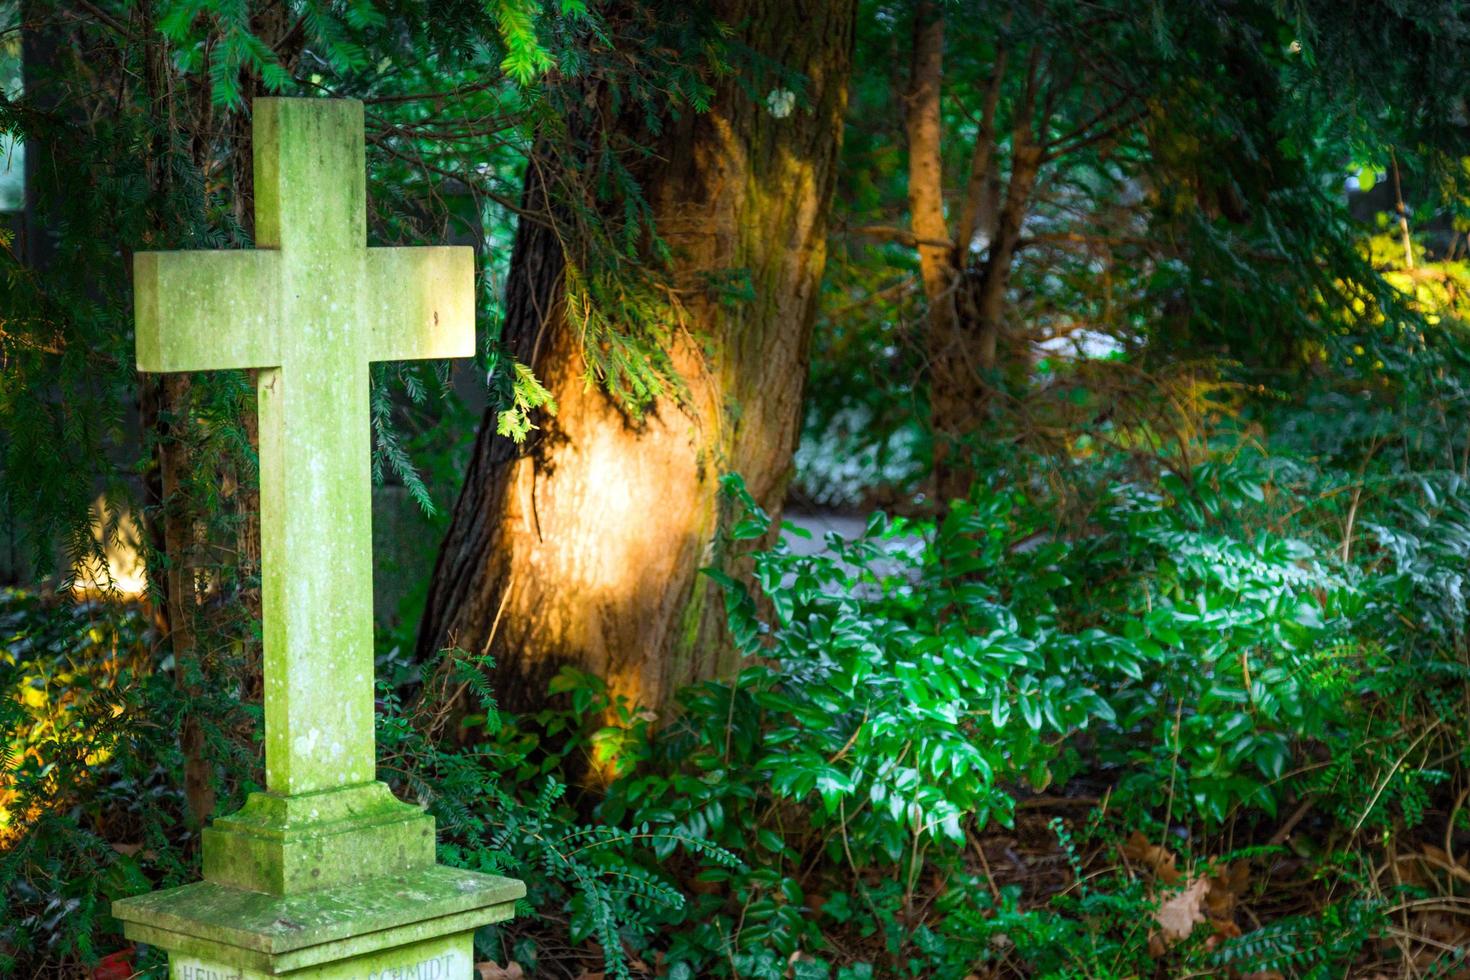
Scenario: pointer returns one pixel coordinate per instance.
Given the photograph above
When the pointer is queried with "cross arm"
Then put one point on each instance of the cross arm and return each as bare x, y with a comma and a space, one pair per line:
421, 302
202, 310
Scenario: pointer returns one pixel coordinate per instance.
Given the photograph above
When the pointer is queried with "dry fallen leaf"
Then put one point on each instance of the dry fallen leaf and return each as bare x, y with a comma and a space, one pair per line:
494, 971
1181, 911
1205, 898
1227, 885
1152, 856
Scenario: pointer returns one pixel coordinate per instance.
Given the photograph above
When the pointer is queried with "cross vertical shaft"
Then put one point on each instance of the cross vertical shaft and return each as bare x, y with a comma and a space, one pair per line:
315, 503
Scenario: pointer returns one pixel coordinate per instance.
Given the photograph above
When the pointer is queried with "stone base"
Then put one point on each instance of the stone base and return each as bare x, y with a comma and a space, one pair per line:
450, 958
287, 844
399, 927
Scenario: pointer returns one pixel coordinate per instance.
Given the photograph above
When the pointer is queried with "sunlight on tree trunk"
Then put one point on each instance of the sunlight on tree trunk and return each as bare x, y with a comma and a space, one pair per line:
584, 546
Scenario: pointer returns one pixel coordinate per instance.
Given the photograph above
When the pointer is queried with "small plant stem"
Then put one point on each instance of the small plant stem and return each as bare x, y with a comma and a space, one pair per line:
1173, 772
1389, 778
1398, 193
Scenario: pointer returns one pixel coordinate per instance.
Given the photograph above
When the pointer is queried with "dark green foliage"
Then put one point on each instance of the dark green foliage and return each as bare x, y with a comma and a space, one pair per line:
449, 137
495, 816
138, 117
91, 809
1191, 202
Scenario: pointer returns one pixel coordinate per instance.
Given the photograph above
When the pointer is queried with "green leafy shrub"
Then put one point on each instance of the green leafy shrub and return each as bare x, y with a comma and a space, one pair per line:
1195, 640
1200, 647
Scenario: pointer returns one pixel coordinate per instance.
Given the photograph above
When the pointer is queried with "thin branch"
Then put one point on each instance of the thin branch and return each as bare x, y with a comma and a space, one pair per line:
1055, 89
466, 89
982, 157
383, 141
1083, 238
1098, 137
878, 296
903, 236
1028, 95
1097, 119
107, 20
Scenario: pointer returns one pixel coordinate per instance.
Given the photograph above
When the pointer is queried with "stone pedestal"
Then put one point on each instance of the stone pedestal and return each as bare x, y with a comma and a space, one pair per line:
336, 885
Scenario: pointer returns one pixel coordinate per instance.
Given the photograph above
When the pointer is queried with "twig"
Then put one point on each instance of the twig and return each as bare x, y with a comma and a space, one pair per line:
851, 740
1398, 194
1173, 771
902, 235
985, 863
1284, 831
1449, 827
1389, 778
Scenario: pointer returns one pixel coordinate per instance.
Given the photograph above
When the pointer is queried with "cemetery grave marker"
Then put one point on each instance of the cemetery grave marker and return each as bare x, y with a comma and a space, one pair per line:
325, 874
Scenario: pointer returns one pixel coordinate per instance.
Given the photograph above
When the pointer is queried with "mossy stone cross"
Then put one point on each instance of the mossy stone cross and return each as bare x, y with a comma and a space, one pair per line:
325, 875
310, 306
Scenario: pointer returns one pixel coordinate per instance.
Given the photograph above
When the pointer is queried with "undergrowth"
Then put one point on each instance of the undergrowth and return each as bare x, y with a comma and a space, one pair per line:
1194, 721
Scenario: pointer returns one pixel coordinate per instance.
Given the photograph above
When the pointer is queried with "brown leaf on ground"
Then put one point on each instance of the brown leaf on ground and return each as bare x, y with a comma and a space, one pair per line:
136, 850
1439, 931
1443, 861
1196, 900
494, 971
1181, 911
1227, 885
699, 886
1156, 859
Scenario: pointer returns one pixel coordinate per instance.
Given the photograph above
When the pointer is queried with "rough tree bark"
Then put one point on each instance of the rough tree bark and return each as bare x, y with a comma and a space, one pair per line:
954, 369
583, 547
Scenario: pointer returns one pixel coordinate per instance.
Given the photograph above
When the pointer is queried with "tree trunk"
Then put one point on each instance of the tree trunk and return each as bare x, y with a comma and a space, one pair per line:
953, 369
956, 397
922, 124
583, 547
966, 304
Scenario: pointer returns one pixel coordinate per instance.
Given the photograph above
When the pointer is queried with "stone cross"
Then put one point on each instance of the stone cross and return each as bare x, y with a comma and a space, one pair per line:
309, 307
325, 875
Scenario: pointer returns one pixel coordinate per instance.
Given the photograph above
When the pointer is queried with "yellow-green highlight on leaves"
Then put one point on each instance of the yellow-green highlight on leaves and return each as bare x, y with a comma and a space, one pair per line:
528, 394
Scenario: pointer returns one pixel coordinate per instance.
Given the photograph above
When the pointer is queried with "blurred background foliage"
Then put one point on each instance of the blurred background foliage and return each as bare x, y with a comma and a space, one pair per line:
1175, 683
